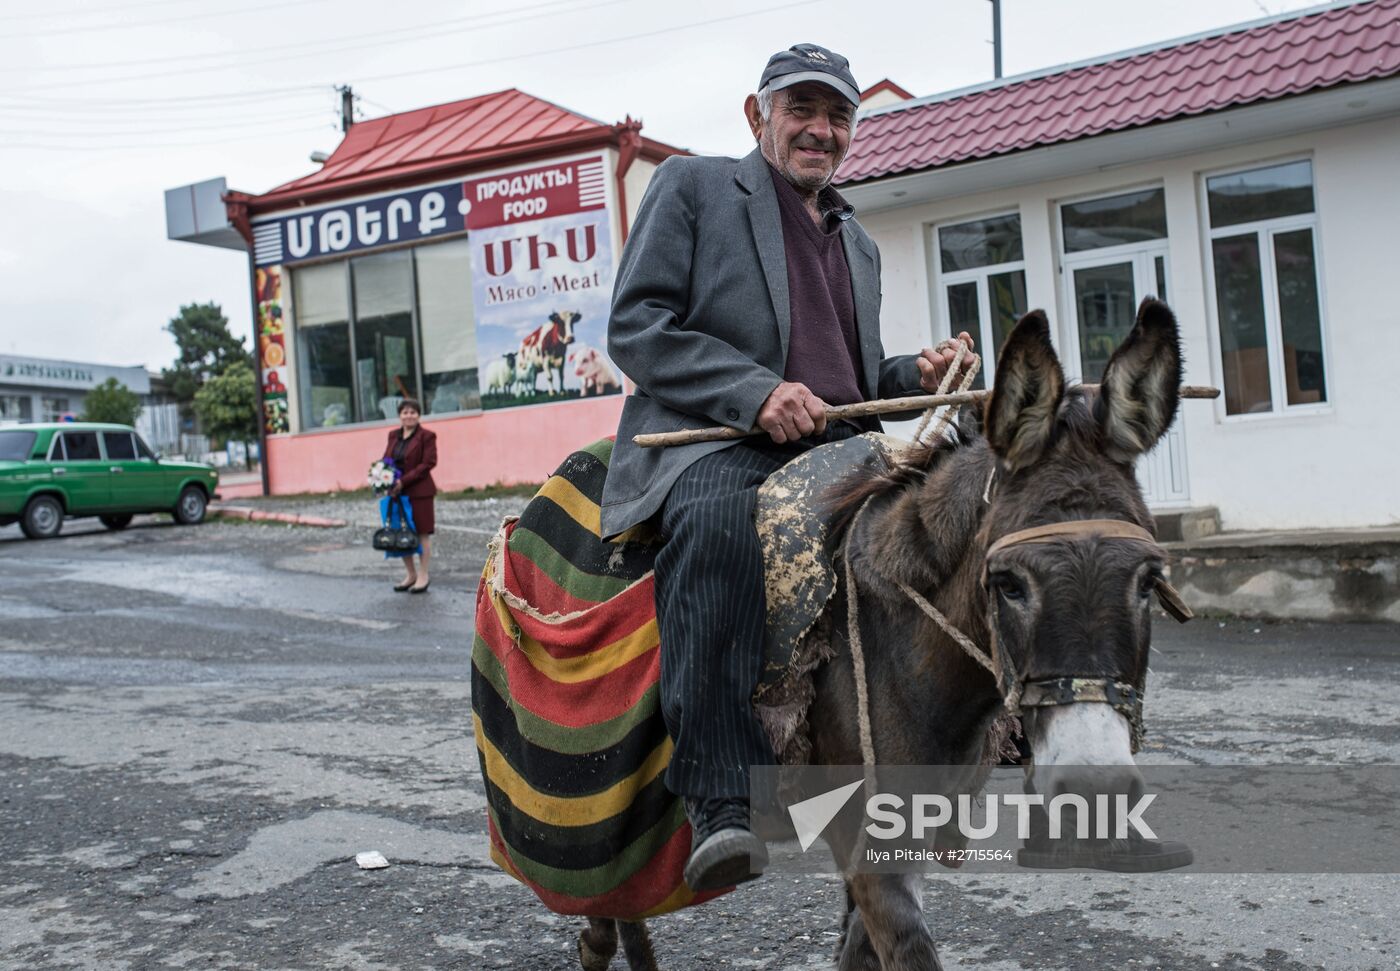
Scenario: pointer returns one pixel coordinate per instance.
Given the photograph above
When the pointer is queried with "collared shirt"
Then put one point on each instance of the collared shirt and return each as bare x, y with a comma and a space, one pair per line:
823, 347
401, 448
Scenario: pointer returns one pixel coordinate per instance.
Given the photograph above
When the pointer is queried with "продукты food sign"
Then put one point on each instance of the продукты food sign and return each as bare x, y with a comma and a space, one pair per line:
557, 189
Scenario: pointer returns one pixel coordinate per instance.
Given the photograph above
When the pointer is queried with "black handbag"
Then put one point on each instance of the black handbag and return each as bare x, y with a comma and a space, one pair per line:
397, 535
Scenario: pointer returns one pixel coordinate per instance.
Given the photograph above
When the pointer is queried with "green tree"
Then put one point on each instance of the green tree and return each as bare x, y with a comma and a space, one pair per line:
207, 348
112, 401
227, 405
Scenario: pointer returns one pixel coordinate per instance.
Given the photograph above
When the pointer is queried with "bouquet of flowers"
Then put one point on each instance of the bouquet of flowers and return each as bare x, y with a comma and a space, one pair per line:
382, 476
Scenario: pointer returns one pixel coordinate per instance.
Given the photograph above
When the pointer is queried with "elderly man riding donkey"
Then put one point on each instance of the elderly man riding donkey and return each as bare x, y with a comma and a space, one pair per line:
988, 571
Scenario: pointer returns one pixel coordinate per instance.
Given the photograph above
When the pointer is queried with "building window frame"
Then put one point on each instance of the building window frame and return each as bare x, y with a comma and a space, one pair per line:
53, 407
1264, 231
944, 280
351, 324
1151, 259
22, 405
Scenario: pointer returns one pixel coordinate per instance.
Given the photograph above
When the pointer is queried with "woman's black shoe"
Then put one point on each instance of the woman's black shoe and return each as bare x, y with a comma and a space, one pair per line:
404, 587
422, 589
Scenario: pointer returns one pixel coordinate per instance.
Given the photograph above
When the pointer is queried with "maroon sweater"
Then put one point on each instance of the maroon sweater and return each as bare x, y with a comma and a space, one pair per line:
823, 349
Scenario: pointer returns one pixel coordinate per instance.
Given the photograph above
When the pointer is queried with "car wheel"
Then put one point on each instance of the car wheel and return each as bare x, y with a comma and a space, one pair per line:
43, 518
116, 520
189, 511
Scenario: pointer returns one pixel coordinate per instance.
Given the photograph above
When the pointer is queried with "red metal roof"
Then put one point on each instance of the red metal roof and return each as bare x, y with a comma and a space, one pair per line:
434, 137
885, 84
1339, 45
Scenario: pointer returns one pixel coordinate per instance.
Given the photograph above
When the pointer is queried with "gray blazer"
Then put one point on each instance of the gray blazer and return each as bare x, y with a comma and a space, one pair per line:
700, 320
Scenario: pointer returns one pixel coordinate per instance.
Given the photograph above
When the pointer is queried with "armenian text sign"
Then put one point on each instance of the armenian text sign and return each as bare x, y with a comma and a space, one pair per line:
400, 217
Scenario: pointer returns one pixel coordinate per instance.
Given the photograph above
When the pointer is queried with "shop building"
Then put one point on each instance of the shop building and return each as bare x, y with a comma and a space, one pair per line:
462, 255
34, 389
1248, 177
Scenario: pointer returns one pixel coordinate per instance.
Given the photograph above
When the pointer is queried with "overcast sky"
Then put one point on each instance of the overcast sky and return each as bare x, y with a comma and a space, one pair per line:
106, 105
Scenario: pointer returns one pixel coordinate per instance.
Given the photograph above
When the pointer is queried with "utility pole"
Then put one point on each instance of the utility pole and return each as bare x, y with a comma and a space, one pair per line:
347, 106
996, 37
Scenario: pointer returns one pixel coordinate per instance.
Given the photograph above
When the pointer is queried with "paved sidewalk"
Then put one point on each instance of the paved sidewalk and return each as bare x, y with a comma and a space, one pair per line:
1333, 574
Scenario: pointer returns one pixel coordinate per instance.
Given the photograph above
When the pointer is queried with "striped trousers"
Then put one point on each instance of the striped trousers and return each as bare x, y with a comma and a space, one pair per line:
710, 608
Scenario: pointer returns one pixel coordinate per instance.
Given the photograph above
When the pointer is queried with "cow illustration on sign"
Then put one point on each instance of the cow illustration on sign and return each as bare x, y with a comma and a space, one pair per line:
545, 347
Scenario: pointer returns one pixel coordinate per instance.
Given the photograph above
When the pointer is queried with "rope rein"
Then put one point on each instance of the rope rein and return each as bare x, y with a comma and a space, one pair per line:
968, 645
960, 351
867, 740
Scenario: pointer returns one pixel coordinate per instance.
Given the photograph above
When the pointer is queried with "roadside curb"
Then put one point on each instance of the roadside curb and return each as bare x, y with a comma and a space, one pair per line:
263, 516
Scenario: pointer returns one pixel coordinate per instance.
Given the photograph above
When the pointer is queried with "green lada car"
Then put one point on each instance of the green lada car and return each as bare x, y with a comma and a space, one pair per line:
51, 471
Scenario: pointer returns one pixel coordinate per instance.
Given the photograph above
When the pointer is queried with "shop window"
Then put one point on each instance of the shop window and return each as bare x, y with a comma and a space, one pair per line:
1263, 238
54, 408
447, 327
386, 368
16, 407
1132, 217
325, 386
982, 280
364, 327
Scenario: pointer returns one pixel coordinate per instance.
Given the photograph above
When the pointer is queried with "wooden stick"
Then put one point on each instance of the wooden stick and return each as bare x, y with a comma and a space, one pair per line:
723, 433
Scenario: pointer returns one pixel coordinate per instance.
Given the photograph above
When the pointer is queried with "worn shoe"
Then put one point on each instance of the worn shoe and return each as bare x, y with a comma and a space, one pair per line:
724, 852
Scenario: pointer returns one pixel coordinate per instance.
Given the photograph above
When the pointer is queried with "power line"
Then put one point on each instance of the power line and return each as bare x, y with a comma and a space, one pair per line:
233, 97
79, 110
50, 14
145, 146
238, 57
376, 104
108, 123
596, 43
264, 94
87, 132
164, 21
475, 25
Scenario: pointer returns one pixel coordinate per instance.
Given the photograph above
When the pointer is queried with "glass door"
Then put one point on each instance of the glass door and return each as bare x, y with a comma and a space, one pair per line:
1105, 289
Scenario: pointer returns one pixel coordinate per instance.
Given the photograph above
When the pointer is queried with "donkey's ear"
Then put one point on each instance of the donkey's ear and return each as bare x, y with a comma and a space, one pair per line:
1029, 385
1142, 384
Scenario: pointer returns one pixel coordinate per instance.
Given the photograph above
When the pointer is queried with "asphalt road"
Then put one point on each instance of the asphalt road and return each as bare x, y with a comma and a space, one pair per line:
201, 727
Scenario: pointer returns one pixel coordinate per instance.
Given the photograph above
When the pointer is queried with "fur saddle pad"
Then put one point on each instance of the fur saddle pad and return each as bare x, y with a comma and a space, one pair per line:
565, 684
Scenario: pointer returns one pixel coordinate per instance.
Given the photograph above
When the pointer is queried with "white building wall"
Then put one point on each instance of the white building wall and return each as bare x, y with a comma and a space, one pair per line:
1335, 468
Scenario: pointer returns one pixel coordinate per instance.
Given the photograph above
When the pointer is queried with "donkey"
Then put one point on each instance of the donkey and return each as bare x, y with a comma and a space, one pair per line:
1074, 605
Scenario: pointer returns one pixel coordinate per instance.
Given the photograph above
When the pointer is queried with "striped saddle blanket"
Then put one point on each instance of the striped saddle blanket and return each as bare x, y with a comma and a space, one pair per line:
566, 710
566, 666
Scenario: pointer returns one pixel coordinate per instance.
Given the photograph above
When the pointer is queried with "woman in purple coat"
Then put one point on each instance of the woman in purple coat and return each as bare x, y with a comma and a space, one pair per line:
413, 449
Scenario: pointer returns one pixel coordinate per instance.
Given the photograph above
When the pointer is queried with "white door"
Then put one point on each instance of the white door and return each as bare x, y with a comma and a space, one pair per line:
1104, 287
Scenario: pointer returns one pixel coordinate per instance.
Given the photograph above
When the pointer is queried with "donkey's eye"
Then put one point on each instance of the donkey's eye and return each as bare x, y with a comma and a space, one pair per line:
1009, 586
1148, 585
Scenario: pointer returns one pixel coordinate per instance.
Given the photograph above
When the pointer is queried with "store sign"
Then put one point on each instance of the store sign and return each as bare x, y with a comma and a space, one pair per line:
39, 373
542, 268
400, 217
538, 193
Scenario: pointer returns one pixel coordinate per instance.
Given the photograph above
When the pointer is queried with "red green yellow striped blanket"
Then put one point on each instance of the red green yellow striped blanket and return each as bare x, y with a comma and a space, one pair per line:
566, 710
